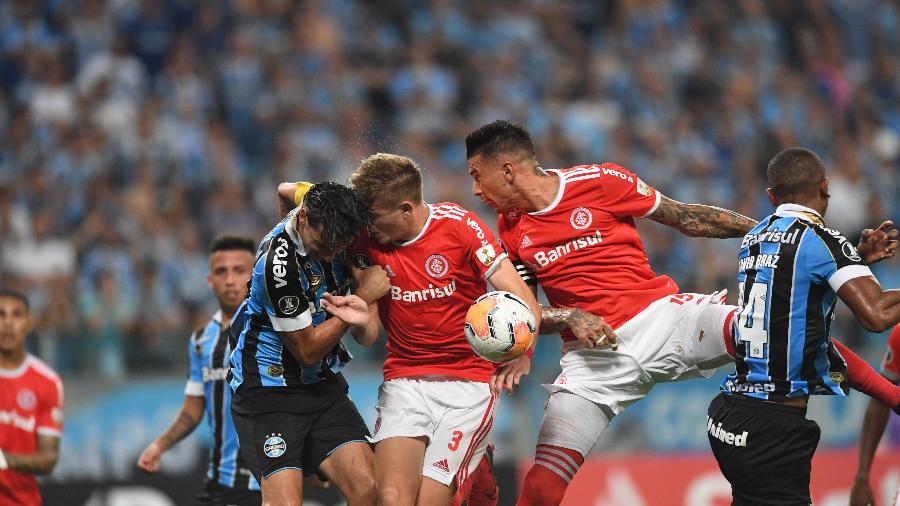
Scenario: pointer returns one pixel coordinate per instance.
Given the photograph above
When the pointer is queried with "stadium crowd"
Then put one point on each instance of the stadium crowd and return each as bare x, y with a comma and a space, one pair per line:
133, 131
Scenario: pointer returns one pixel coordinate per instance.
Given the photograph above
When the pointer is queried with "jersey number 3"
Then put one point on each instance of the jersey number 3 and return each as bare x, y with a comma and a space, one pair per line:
752, 318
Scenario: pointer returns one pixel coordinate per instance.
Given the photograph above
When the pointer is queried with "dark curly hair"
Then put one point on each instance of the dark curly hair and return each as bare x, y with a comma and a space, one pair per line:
339, 211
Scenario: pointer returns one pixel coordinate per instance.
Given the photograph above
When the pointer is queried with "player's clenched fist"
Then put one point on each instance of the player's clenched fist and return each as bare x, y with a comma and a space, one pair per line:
149, 459
372, 283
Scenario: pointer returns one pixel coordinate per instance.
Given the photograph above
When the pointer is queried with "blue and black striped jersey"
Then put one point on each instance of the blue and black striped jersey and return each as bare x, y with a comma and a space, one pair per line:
285, 292
790, 268
209, 355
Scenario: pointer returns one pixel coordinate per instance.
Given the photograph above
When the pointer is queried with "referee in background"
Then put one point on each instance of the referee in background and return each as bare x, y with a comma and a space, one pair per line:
792, 269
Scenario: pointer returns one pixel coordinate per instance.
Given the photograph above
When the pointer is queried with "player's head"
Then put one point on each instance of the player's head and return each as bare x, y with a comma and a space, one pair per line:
498, 153
330, 217
230, 265
391, 185
797, 175
15, 320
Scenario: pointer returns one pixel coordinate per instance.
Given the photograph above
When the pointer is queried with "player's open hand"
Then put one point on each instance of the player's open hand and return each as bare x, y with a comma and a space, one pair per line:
878, 244
861, 493
509, 374
149, 459
591, 330
372, 283
349, 308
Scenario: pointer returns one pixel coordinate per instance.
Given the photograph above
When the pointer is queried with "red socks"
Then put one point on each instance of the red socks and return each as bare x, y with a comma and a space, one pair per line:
547, 480
863, 378
480, 488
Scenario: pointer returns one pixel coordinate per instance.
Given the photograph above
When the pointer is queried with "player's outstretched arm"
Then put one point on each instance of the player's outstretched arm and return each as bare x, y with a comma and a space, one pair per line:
40, 462
875, 309
698, 220
187, 419
873, 428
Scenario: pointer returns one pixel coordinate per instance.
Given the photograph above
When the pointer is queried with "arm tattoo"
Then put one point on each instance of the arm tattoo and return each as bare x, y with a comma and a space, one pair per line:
40, 462
697, 220
181, 427
553, 319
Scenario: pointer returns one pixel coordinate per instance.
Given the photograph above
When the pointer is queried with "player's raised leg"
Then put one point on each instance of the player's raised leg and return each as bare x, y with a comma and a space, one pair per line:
349, 467
569, 429
398, 469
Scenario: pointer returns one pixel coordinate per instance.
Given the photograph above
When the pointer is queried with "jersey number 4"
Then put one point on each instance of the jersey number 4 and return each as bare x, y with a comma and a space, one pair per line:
752, 318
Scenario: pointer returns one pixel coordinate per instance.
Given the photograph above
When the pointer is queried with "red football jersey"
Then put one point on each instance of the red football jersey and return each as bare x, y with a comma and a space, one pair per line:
434, 279
31, 404
890, 366
584, 248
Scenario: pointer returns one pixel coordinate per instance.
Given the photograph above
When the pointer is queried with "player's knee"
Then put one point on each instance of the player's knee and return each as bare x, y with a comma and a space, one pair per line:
391, 495
282, 500
362, 490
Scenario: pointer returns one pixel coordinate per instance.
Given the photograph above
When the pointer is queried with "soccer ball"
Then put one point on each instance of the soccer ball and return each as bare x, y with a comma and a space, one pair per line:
499, 326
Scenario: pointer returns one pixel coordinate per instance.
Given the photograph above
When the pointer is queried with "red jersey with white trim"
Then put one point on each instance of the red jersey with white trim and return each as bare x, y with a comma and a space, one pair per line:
31, 404
584, 248
434, 279
890, 366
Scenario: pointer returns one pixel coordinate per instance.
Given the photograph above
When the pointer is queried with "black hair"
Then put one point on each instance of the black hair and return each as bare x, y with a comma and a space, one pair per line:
231, 243
14, 294
501, 136
795, 173
337, 210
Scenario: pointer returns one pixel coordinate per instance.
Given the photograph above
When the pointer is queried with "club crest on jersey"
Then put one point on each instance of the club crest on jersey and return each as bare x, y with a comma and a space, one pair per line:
289, 304
274, 446
486, 255
275, 371
26, 399
437, 266
581, 218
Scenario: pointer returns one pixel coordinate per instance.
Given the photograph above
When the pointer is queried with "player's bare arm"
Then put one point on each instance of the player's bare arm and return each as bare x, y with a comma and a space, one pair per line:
591, 330
698, 220
370, 284
875, 309
40, 462
188, 418
510, 374
874, 423
311, 344
878, 244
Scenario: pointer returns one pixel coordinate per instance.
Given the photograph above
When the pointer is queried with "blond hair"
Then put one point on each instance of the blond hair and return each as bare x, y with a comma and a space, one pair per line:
387, 180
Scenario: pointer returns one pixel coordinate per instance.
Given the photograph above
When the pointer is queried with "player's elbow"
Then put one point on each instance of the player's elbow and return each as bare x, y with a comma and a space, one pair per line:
874, 321
47, 466
311, 357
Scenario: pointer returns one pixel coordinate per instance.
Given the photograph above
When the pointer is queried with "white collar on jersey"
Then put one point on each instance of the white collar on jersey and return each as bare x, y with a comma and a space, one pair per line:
18, 371
217, 317
798, 211
421, 232
559, 193
292, 232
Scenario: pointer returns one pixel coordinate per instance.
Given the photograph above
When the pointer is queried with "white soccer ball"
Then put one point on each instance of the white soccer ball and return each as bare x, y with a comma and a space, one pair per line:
499, 326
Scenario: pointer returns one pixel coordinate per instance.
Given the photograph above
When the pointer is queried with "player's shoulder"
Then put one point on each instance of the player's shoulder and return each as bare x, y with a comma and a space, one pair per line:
448, 211
40, 369
836, 243
599, 171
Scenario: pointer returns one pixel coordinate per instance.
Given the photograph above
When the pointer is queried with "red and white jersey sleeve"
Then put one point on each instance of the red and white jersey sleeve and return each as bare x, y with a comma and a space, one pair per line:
31, 405
434, 279
584, 248
890, 366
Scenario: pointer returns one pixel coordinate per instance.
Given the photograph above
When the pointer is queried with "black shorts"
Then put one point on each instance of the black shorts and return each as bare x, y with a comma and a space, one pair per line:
277, 440
216, 494
764, 450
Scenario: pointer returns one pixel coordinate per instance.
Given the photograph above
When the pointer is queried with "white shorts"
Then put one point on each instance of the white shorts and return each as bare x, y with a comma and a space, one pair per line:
675, 338
455, 415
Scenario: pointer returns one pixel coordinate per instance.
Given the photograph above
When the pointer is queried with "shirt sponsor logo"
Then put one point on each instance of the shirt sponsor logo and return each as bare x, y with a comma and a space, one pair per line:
581, 218
748, 388
26, 399
289, 304
279, 262
477, 229
547, 257
432, 292
214, 373
613, 172
437, 266
17, 420
274, 446
730, 438
773, 235
759, 261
